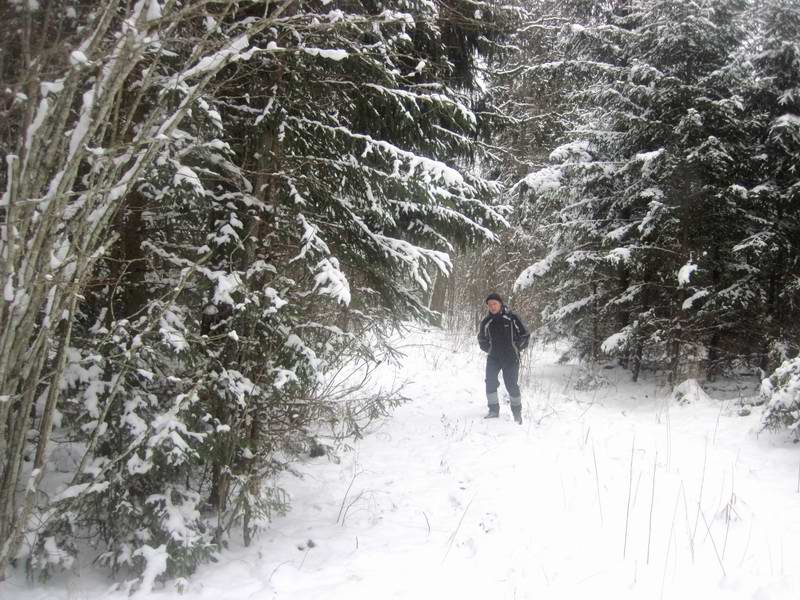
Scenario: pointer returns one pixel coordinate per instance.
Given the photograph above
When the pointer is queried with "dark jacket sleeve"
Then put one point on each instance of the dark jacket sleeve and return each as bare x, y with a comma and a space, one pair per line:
521, 335
483, 339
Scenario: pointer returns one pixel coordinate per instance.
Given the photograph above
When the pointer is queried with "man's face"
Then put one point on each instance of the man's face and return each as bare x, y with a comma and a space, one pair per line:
494, 306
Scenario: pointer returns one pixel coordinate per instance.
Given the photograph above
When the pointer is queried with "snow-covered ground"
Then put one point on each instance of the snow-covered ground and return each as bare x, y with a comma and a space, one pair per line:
617, 492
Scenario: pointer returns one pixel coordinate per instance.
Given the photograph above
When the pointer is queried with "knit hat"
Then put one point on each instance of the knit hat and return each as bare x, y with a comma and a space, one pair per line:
494, 296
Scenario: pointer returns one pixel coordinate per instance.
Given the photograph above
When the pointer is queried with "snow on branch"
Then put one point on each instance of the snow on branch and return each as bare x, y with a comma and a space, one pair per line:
537, 269
685, 273
331, 54
311, 241
619, 255
615, 342
329, 280
441, 99
689, 302
544, 180
213, 63
571, 308
155, 564
575, 151
434, 168
407, 254
758, 241
647, 160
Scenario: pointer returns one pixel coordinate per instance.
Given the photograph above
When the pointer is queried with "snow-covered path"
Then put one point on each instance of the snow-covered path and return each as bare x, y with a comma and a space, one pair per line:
613, 493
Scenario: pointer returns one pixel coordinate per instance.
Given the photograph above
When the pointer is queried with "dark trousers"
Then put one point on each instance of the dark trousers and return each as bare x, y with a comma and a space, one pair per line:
510, 368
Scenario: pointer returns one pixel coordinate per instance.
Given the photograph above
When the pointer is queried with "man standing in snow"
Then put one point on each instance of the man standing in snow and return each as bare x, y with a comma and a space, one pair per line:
503, 336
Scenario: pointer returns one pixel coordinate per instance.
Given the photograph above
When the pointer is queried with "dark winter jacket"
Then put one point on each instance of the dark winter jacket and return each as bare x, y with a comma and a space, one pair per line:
503, 335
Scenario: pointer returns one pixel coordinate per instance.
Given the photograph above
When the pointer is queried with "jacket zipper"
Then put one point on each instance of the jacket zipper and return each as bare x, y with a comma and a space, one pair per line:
513, 344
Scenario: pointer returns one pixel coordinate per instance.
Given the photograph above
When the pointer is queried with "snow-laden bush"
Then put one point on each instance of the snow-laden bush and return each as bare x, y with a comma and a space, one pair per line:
782, 394
688, 392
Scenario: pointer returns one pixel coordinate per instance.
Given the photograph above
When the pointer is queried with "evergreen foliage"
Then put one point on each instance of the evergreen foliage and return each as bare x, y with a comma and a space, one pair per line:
782, 394
664, 221
248, 198
648, 204
772, 245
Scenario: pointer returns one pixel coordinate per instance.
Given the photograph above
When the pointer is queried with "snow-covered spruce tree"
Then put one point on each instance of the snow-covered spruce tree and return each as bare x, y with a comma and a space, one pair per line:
298, 173
781, 392
645, 192
772, 245
531, 90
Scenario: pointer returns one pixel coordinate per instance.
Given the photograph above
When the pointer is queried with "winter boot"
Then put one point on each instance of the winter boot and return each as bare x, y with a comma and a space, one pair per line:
494, 405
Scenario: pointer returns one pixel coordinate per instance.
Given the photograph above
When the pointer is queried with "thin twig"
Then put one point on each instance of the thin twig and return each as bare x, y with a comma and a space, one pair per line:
669, 539
747, 544
714, 544
275, 570
597, 483
302, 562
652, 501
455, 533
347, 492
350, 505
700, 496
628, 510
686, 521
728, 510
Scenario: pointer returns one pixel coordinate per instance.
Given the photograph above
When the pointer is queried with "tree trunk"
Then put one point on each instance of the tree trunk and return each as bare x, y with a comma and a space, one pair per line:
132, 235
438, 296
674, 357
636, 361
